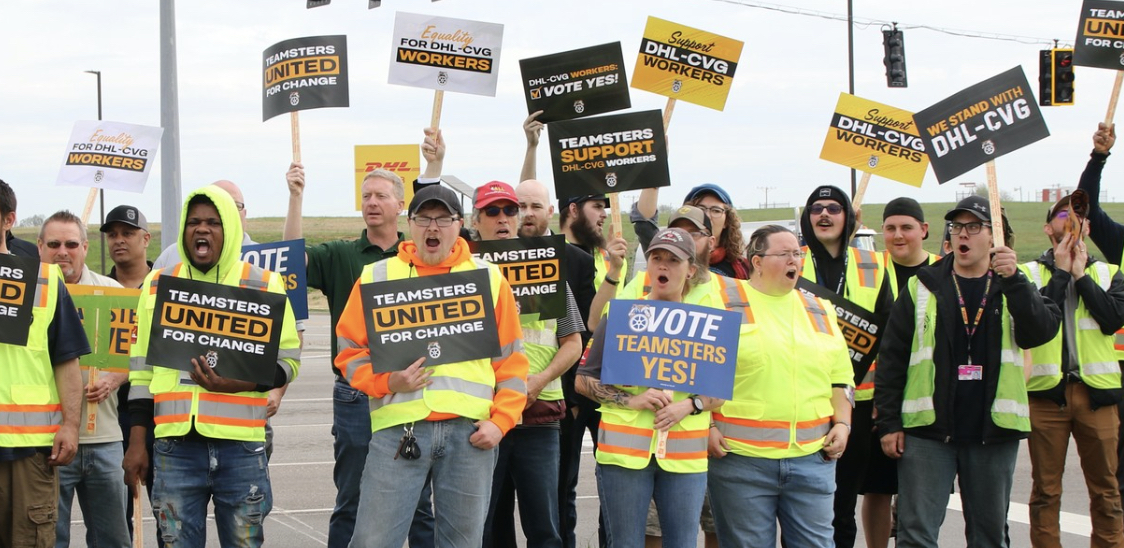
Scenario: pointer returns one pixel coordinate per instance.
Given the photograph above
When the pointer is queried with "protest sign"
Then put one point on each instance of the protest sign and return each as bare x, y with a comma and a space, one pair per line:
18, 276
447, 318
877, 139
109, 155
445, 54
607, 154
681, 62
1100, 36
535, 270
401, 160
861, 328
304, 73
673, 346
980, 124
237, 330
287, 259
575, 84
109, 318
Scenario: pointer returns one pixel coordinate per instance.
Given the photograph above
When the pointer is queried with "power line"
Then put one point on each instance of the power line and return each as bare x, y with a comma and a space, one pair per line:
864, 23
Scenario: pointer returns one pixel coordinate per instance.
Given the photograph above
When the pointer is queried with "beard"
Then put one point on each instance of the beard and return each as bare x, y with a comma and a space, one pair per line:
585, 231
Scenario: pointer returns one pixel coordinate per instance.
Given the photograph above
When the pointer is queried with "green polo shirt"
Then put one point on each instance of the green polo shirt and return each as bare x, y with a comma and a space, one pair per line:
334, 266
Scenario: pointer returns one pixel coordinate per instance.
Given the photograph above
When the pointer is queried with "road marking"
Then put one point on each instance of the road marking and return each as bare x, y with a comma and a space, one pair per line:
1074, 524
320, 425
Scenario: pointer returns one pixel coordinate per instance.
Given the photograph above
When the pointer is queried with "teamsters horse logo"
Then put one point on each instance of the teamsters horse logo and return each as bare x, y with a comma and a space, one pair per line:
212, 359
639, 317
579, 106
873, 161
611, 179
98, 176
294, 98
989, 147
676, 85
442, 77
434, 350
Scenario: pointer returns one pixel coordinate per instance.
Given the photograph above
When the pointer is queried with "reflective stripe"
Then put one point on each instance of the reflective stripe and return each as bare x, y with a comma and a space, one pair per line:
14, 418
376, 403
1035, 274
922, 354
541, 337
139, 391
866, 261
761, 436
172, 407
249, 412
1100, 368
918, 405
735, 298
1118, 340
454, 384
1011, 356
1012, 407
136, 363
287, 369
41, 285
354, 364
515, 383
809, 431
289, 354
1045, 370
344, 343
1103, 278
1089, 324
629, 440
254, 277
508, 349
686, 444
816, 314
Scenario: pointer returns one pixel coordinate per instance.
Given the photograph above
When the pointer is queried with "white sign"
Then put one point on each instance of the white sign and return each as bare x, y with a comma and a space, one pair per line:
445, 53
109, 155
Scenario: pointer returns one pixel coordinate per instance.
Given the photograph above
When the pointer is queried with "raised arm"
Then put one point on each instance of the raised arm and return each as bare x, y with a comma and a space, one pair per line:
532, 128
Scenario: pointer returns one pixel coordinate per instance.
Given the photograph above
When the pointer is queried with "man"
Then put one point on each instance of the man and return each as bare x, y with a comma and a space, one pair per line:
210, 430
44, 410
16, 246
95, 474
455, 413
126, 234
171, 256
949, 390
529, 455
827, 223
1074, 384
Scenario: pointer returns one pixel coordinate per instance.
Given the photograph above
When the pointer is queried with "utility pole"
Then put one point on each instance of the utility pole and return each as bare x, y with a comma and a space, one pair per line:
766, 189
101, 191
171, 201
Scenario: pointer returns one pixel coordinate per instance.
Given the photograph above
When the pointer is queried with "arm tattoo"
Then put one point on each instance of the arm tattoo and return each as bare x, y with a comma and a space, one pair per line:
609, 394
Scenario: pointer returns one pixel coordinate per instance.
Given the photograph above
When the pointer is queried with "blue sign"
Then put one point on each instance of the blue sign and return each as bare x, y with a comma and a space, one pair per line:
674, 346
287, 259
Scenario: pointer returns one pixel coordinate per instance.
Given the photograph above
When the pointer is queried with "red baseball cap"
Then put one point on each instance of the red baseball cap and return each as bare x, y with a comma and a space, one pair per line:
492, 192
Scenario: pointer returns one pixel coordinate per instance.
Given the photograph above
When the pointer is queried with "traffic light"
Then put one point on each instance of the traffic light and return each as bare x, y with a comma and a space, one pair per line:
1055, 80
893, 42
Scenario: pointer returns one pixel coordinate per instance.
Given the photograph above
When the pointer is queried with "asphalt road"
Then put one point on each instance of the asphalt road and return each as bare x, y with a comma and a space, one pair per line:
303, 493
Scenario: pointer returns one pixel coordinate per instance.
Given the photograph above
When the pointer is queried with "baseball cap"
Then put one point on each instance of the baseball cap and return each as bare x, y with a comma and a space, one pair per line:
1060, 205
711, 188
695, 214
675, 240
125, 214
492, 192
436, 193
565, 202
976, 205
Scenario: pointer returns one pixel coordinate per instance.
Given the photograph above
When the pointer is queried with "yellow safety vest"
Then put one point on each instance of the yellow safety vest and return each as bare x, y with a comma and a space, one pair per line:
540, 343
30, 409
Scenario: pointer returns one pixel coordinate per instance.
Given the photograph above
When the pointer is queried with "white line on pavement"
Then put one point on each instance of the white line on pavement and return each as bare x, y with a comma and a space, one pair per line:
1074, 524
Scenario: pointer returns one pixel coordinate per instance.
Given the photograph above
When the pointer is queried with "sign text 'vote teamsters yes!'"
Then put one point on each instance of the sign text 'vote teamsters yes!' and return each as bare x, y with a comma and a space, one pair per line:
443, 53
447, 318
684, 63
672, 346
109, 155
980, 123
534, 269
606, 154
303, 74
877, 139
237, 330
17, 297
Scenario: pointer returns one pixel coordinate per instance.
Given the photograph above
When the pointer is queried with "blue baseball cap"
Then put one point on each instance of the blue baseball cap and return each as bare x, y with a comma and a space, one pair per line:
711, 188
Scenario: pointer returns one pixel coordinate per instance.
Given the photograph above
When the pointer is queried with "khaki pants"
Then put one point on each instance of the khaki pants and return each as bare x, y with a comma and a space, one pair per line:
29, 496
1096, 434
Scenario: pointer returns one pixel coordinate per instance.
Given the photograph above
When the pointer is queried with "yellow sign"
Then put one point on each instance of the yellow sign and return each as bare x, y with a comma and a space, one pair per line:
877, 139
402, 160
685, 63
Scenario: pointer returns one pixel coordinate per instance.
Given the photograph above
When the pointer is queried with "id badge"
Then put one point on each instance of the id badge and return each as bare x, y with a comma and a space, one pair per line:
970, 372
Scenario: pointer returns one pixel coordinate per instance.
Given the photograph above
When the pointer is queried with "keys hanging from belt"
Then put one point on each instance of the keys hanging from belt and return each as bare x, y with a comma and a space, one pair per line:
408, 447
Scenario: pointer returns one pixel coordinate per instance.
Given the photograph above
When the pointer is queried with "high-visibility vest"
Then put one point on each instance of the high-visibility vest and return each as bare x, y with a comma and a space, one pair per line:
179, 402
464, 388
863, 279
750, 425
30, 409
1096, 354
704, 294
1008, 410
540, 343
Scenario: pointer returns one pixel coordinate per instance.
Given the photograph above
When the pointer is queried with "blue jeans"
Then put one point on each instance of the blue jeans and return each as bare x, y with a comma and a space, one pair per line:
190, 473
351, 429
97, 476
750, 494
461, 478
625, 494
529, 456
925, 474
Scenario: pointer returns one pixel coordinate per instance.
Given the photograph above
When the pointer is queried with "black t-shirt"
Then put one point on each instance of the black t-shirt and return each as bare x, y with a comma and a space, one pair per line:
902, 274
829, 270
970, 396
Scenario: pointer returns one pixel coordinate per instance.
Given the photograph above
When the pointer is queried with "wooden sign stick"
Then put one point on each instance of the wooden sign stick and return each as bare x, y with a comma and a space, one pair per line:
860, 192
661, 435
89, 208
138, 515
92, 409
295, 123
438, 101
994, 205
1113, 98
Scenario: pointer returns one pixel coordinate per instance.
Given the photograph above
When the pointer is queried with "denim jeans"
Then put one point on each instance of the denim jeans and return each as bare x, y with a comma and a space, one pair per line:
925, 475
96, 475
351, 429
625, 494
750, 494
190, 473
461, 478
529, 456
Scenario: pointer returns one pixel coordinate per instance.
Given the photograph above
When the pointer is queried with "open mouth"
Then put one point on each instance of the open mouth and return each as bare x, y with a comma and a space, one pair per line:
432, 243
825, 223
202, 247
790, 273
503, 233
662, 279
963, 248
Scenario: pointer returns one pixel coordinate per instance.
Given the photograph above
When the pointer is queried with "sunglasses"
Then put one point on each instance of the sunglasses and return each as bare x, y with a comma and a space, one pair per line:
834, 209
70, 244
494, 211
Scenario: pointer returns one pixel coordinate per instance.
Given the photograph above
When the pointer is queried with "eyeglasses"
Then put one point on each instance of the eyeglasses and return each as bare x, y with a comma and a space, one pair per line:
241, 206
1062, 214
834, 209
785, 254
716, 210
443, 222
699, 234
972, 228
70, 244
494, 211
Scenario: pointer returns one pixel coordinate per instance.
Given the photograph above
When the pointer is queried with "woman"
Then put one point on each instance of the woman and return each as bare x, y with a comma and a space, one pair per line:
775, 443
726, 258
631, 418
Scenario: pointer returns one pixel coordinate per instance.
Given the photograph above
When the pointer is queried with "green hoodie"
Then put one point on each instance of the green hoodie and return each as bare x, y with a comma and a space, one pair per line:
231, 232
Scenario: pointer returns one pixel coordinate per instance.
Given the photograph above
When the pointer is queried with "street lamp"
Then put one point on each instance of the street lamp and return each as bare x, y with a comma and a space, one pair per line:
101, 192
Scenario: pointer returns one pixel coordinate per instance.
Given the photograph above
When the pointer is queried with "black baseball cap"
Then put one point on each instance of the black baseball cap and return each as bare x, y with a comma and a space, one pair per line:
125, 214
436, 193
565, 202
976, 205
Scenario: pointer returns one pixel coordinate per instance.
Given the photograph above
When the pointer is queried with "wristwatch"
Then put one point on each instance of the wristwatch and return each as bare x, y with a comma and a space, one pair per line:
697, 404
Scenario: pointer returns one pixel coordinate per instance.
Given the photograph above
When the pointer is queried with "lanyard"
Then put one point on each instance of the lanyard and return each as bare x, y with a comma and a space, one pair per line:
971, 328
842, 273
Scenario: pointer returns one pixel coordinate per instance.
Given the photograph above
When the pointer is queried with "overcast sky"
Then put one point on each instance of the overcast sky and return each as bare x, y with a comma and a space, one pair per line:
769, 136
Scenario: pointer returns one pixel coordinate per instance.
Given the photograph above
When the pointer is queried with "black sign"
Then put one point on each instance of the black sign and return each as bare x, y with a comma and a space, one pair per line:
575, 84
447, 318
535, 270
18, 276
608, 153
304, 73
861, 328
1100, 38
980, 123
237, 330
